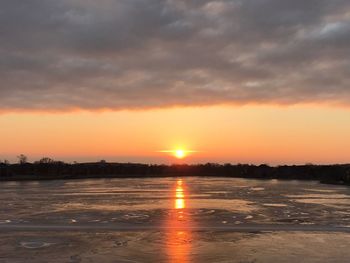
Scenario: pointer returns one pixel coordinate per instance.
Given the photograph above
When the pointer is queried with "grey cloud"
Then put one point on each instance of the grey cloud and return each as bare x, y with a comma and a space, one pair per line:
120, 54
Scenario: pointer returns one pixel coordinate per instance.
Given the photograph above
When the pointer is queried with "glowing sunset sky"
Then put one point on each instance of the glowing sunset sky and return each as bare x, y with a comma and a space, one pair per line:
257, 81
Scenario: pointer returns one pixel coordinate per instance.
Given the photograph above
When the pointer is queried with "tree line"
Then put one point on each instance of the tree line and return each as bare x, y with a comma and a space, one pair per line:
47, 168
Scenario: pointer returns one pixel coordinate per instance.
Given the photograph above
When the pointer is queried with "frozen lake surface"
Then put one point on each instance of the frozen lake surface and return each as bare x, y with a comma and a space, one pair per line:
190, 219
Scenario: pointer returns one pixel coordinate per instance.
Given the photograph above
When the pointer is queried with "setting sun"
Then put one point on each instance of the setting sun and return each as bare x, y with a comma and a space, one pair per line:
178, 153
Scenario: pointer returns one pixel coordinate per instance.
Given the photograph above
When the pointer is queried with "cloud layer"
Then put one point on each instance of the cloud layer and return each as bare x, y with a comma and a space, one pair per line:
120, 54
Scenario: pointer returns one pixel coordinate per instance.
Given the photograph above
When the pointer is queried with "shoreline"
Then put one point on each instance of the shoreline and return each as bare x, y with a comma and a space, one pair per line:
337, 174
39, 178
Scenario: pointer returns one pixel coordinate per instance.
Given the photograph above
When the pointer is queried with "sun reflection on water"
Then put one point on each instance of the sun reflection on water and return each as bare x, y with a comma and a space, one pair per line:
179, 196
178, 236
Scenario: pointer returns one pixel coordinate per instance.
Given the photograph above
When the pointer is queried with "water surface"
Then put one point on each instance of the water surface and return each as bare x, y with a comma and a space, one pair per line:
191, 219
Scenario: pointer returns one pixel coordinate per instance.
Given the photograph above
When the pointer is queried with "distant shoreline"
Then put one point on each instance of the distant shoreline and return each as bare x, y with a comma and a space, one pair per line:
53, 170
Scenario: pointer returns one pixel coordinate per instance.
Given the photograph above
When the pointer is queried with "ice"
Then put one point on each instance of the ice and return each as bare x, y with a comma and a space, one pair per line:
35, 244
201, 219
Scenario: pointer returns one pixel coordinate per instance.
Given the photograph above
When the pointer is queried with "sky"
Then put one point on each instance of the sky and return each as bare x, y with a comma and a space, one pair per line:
253, 81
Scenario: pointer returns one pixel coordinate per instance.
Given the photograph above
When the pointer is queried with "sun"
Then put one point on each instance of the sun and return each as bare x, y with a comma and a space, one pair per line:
179, 153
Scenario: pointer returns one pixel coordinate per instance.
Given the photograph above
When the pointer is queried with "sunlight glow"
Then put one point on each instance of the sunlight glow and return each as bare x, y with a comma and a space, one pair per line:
178, 153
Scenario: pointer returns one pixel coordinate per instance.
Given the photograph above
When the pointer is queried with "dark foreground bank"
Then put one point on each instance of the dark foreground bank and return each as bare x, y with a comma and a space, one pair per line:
335, 174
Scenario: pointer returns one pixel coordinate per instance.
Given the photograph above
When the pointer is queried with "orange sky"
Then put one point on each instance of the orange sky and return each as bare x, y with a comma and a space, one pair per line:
114, 59
247, 134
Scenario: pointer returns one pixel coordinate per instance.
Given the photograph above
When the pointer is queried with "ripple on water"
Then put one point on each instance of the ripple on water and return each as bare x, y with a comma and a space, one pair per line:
200, 212
325, 190
275, 205
257, 189
319, 196
134, 216
325, 199
35, 244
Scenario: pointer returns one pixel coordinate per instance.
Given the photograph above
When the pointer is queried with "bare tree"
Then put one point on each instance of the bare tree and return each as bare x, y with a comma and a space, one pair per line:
46, 160
22, 159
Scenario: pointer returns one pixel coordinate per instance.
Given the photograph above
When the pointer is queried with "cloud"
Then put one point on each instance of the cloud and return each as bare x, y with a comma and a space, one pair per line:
59, 55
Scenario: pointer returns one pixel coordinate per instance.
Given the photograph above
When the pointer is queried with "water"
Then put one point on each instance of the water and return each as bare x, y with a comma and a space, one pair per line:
174, 220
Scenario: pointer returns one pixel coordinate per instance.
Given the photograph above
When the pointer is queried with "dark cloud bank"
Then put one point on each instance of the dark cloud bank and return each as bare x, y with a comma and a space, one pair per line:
63, 54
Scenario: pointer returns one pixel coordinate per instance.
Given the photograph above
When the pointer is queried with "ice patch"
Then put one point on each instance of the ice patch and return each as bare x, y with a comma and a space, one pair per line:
35, 244
276, 205
257, 188
135, 216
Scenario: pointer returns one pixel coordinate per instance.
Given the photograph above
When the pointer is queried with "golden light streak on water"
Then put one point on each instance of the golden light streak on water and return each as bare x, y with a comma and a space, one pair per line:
179, 238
